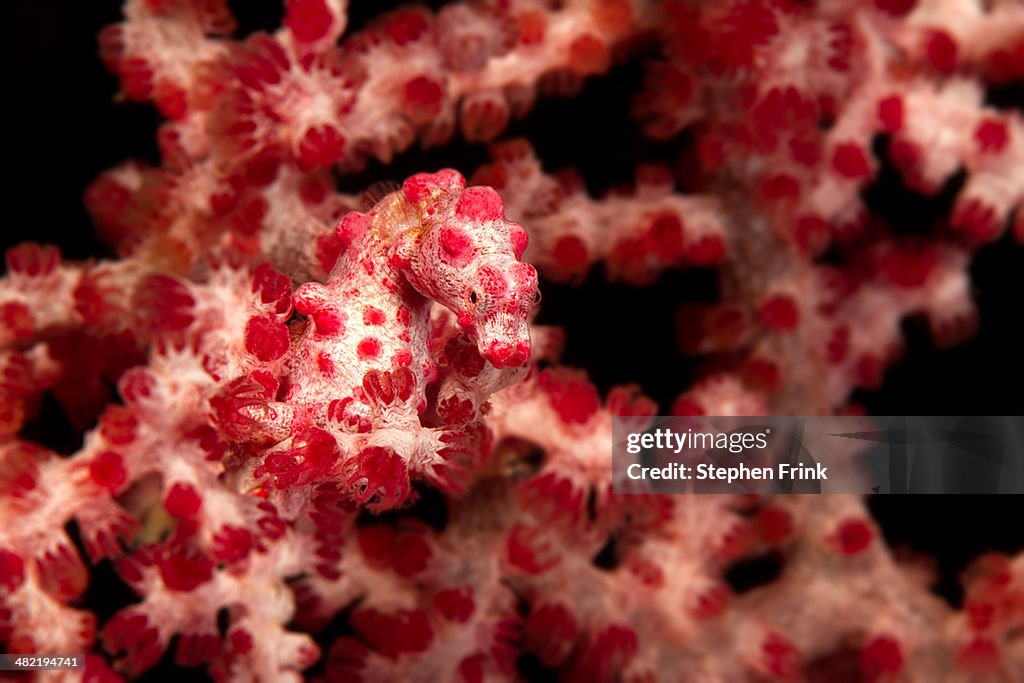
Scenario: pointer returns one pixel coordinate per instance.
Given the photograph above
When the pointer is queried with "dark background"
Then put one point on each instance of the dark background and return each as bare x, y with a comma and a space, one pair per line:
63, 127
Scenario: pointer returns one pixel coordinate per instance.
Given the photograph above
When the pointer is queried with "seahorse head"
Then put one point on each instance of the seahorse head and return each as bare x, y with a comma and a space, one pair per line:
466, 257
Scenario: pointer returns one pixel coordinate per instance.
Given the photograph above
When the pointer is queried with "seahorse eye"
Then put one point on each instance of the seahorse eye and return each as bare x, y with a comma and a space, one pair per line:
473, 296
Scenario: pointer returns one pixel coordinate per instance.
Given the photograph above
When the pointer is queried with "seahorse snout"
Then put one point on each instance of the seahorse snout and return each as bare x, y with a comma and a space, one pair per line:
502, 354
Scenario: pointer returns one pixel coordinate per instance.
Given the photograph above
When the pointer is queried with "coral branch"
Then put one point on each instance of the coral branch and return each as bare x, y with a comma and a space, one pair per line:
323, 435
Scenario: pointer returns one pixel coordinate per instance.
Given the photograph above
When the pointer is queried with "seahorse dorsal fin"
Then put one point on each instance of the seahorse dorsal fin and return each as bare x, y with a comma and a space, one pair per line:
376, 192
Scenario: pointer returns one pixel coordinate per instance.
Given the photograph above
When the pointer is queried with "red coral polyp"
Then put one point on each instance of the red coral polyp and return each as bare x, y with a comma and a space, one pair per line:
311, 454
381, 479
396, 633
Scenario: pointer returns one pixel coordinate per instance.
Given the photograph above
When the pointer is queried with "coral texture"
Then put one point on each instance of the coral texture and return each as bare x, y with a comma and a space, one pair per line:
341, 448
